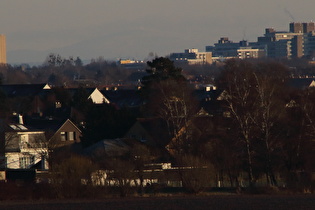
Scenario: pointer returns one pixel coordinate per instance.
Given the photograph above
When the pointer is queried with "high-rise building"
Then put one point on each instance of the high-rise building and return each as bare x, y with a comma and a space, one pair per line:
3, 51
302, 27
298, 42
296, 27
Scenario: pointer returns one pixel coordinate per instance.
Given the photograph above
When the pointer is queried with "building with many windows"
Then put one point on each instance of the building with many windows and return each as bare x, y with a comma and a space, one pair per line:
298, 42
226, 48
309, 45
192, 57
244, 53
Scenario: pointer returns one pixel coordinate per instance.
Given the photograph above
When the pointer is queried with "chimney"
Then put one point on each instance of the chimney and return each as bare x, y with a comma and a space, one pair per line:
20, 119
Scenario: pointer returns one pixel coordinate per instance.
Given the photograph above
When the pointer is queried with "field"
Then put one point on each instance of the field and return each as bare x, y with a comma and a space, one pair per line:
246, 202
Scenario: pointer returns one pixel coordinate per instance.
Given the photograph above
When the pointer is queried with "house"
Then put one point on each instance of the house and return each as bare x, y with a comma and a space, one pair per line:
97, 97
151, 131
210, 100
18, 90
59, 133
22, 147
29, 98
94, 94
124, 98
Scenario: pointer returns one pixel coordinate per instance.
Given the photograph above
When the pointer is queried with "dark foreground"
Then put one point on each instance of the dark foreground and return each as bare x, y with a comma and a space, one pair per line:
174, 203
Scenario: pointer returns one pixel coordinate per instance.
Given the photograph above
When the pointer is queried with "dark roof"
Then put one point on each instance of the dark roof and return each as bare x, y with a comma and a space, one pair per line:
300, 83
16, 127
22, 90
123, 98
108, 147
73, 91
158, 130
208, 100
45, 124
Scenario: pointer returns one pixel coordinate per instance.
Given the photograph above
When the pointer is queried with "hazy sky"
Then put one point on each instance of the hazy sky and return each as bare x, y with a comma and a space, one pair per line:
134, 28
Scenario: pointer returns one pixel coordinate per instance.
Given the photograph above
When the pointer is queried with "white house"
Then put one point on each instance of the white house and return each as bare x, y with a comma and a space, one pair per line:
23, 148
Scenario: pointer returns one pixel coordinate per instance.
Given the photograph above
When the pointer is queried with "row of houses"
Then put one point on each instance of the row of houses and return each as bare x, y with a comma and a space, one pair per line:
26, 139
27, 142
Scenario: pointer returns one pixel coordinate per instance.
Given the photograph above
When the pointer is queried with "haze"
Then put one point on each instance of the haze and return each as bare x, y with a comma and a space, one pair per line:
134, 28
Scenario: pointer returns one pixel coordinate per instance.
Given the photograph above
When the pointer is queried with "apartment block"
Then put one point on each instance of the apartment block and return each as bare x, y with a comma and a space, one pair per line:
298, 42
192, 57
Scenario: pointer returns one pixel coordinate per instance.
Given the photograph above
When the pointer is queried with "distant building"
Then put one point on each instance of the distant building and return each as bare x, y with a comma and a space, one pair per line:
244, 53
298, 42
132, 64
309, 45
302, 27
226, 49
283, 44
3, 51
192, 57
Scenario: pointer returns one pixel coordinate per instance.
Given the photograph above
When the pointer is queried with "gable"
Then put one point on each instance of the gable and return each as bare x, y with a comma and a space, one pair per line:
69, 126
312, 84
46, 87
66, 134
97, 97
138, 132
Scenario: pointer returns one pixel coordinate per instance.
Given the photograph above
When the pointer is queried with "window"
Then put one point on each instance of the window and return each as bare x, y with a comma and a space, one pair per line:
26, 161
63, 136
58, 104
71, 136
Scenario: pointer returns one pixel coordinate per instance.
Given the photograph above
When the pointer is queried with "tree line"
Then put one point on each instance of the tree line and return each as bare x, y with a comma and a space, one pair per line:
72, 72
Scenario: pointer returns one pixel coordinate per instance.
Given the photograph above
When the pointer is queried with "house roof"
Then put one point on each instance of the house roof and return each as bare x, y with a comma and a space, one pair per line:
72, 91
22, 90
16, 127
108, 147
46, 124
208, 100
301, 83
89, 91
123, 98
157, 128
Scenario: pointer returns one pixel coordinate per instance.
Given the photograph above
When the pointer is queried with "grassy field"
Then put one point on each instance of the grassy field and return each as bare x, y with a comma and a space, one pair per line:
254, 202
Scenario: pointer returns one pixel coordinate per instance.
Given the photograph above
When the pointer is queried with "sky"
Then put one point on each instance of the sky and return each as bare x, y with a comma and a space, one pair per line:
132, 29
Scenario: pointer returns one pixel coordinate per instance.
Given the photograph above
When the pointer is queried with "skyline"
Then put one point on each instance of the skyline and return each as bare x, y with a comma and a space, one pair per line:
120, 29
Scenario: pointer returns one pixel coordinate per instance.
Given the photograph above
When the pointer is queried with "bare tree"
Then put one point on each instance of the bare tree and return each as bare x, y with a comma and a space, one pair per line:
241, 100
270, 111
177, 107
